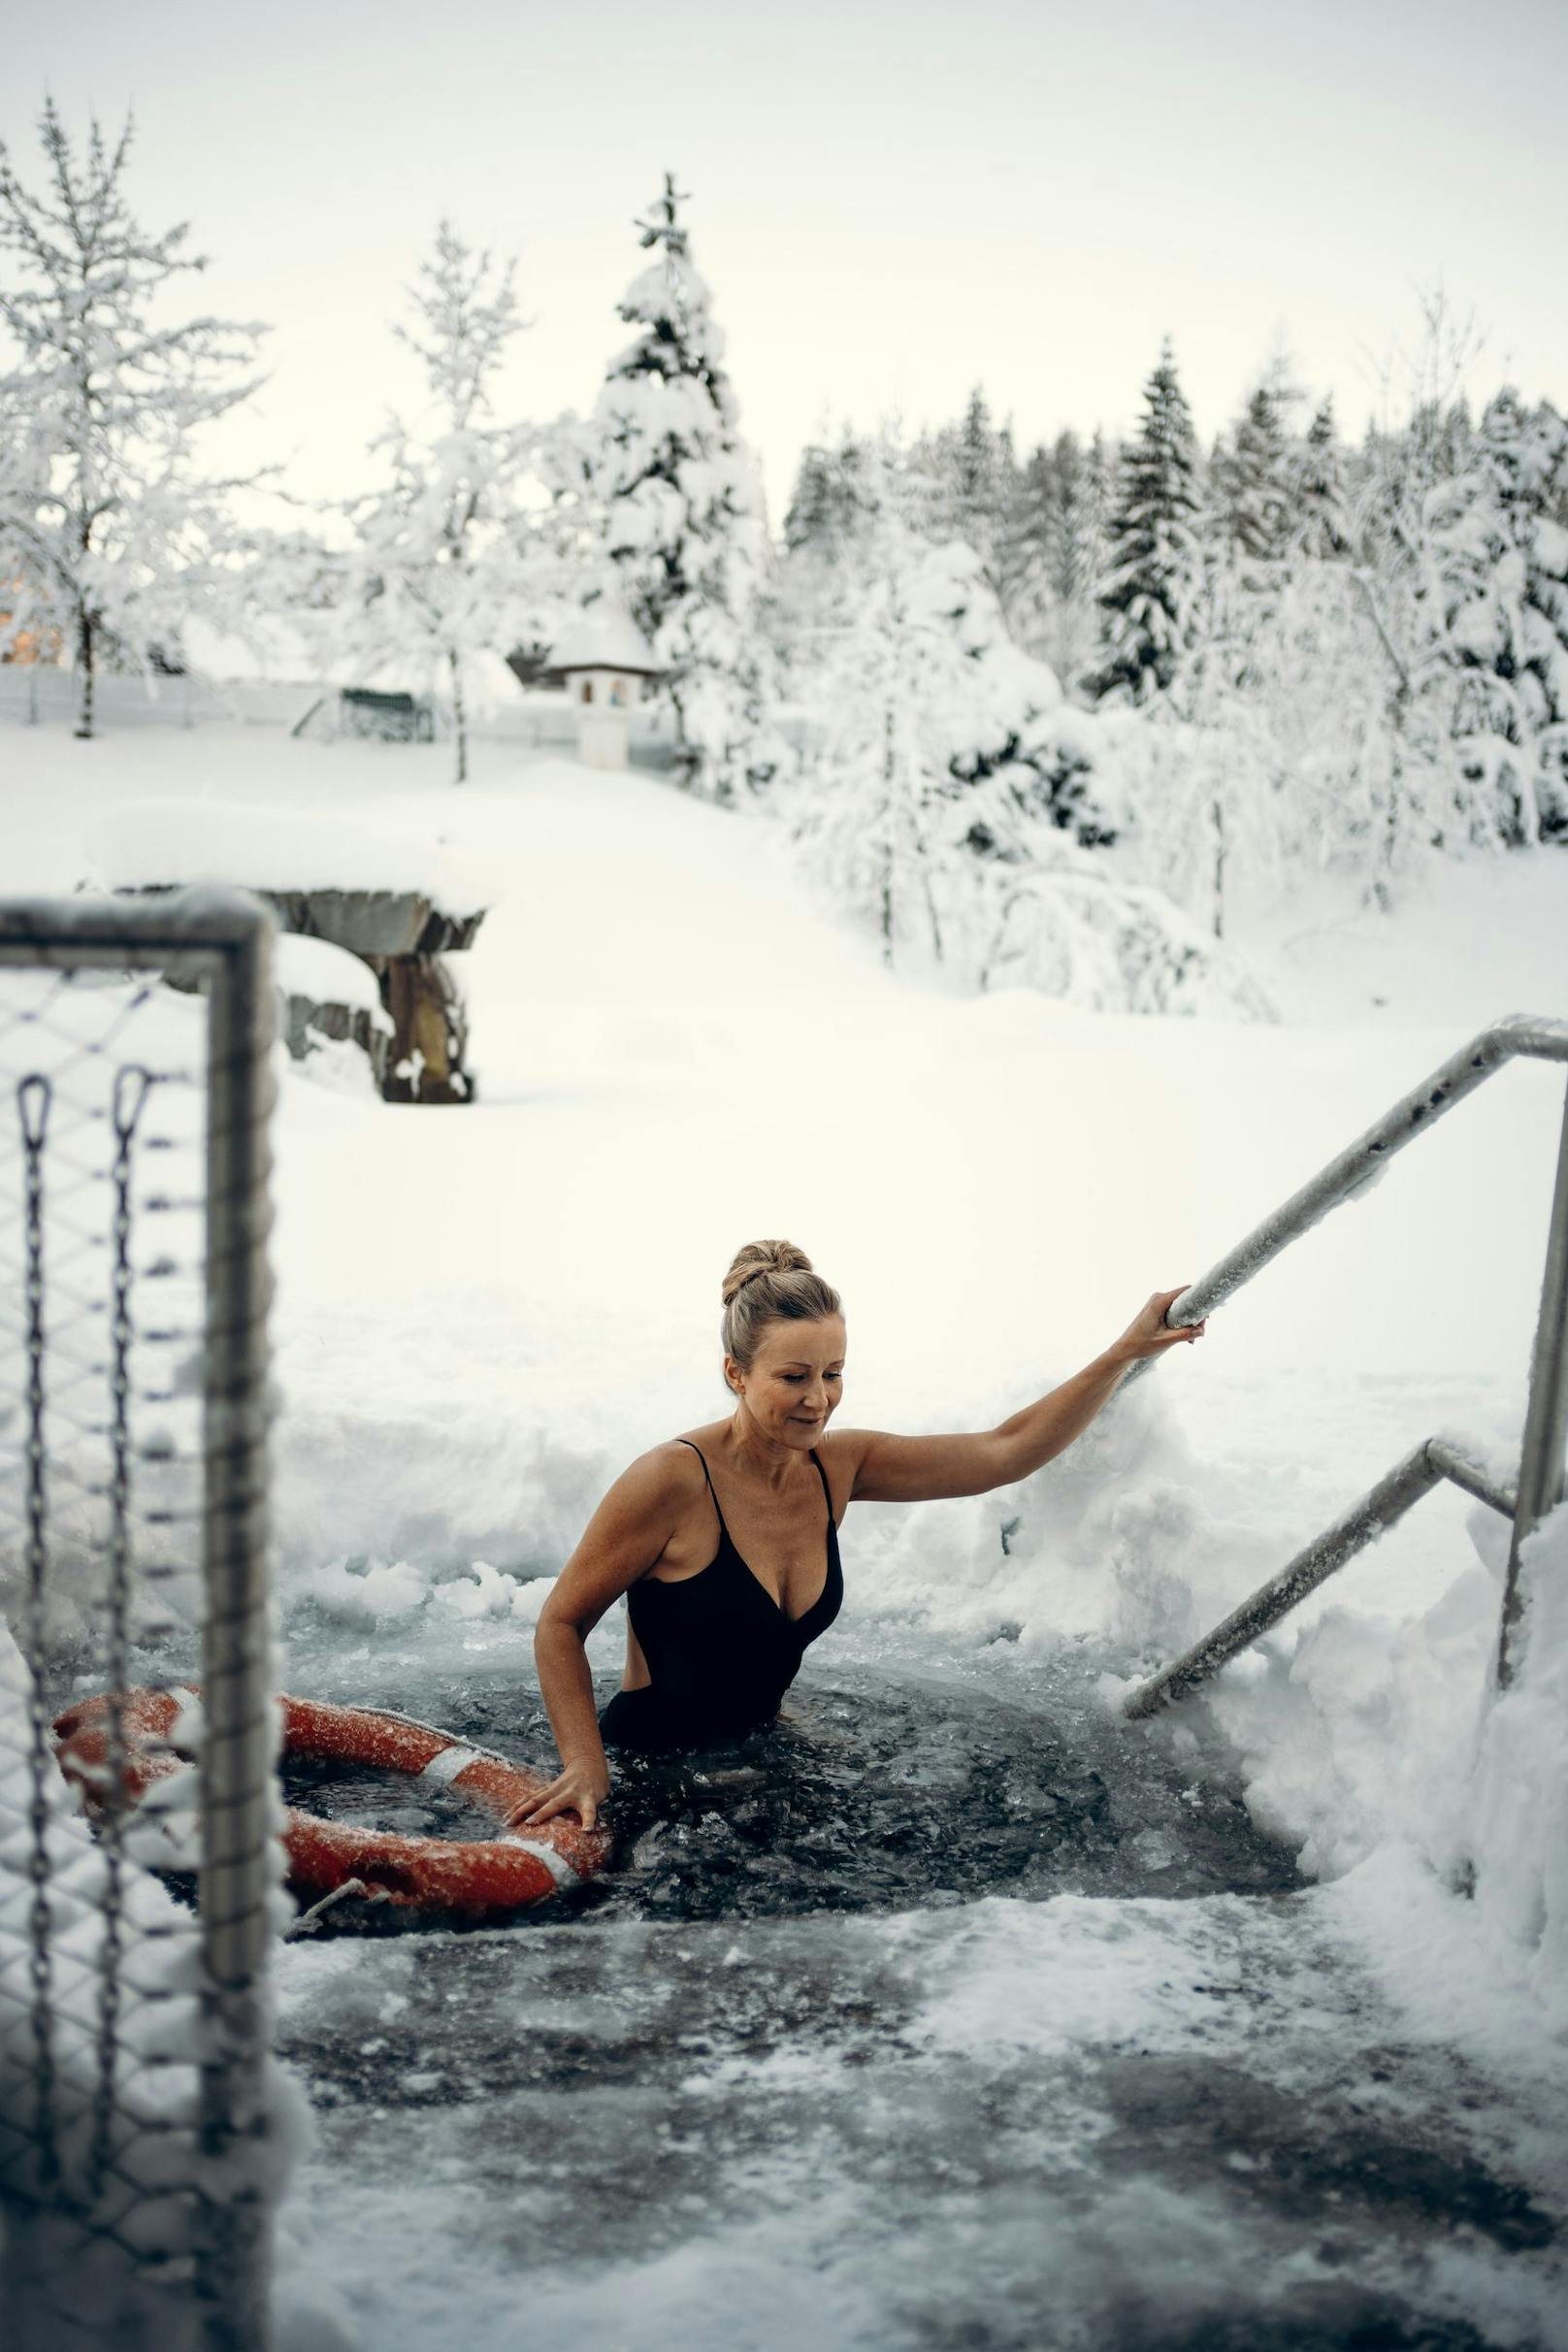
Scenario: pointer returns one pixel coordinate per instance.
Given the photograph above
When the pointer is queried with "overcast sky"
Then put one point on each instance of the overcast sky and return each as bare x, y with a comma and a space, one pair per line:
891, 202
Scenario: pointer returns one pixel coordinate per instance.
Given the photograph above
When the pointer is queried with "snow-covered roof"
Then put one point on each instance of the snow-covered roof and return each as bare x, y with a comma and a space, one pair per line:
604, 636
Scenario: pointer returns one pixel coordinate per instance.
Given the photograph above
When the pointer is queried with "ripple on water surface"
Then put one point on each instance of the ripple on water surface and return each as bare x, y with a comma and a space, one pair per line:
865, 1796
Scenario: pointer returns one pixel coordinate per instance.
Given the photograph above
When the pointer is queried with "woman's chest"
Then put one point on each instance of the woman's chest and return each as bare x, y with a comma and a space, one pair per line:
783, 1551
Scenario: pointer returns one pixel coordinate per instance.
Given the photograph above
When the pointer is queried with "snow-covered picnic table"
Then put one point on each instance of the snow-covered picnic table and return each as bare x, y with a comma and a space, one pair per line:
398, 903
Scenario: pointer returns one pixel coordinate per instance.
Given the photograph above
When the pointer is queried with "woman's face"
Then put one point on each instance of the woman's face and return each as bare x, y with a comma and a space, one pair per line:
796, 1379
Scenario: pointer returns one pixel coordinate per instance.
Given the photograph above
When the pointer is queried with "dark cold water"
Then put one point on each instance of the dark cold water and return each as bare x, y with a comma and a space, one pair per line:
866, 1795
786, 2058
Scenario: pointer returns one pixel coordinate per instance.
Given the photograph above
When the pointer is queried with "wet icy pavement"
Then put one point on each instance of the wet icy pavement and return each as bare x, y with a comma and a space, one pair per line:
690, 2115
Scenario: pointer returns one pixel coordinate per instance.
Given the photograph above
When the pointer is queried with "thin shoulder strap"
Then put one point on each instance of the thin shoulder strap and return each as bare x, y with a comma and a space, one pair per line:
826, 1489
703, 1458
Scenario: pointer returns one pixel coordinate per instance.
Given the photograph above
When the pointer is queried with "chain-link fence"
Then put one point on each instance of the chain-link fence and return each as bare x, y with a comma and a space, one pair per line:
139, 2138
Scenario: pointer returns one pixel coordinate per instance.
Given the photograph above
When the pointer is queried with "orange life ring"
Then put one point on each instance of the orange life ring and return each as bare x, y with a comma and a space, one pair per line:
472, 1874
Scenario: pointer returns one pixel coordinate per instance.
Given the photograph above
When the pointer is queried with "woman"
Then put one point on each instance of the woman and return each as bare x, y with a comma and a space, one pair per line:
726, 1542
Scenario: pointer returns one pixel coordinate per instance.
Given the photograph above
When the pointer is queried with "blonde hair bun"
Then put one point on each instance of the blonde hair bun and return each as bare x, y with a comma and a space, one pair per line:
763, 1257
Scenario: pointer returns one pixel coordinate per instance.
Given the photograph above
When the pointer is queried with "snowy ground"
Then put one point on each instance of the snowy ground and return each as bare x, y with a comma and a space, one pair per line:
1313, 2115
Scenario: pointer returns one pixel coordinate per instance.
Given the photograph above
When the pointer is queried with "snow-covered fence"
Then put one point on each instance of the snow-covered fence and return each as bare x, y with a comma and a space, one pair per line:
141, 2131
545, 723
36, 694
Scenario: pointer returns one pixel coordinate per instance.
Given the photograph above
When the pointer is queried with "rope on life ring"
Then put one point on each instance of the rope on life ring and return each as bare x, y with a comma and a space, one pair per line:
115, 1768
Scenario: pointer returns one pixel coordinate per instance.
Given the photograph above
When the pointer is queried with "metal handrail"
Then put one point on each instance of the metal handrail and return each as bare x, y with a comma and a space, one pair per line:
1539, 1484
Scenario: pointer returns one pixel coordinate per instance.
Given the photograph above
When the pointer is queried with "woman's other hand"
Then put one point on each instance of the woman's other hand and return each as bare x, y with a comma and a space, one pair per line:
1148, 1333
580, 1788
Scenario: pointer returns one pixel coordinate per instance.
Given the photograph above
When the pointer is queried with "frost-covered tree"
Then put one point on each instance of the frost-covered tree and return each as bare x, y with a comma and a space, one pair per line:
828, 503
1427, 804
1073, 499
975, 485
826, 517
1503, 565
1215, 806
1029, 535
811, 520
1252, 484
109, 534
1320, 499
956, 797
1151, 537
889, 685
684, 519
448, 569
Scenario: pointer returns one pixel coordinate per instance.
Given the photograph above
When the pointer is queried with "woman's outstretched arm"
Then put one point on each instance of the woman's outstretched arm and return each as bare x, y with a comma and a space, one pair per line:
888, 1469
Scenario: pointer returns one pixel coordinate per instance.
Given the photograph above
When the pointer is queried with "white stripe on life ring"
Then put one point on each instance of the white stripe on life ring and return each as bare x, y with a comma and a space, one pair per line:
559, 1868
446, 1766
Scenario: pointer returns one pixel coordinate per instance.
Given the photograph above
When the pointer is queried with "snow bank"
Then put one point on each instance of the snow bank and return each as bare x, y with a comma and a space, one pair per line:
1363, 1736
1518, 1823
147, 2194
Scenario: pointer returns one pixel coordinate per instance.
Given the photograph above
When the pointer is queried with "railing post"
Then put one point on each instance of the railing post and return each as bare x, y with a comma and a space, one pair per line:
239, 1866
1545, 1417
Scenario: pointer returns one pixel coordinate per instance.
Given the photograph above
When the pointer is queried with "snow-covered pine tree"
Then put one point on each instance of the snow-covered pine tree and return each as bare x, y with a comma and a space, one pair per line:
825, 518
1151, 547
684, 519
828, 502
1213, 815
1252, 486
1503, 559
808, 518
1100, 465
1319, 497
108, 533
1028, 562
1077, 555
1245, 536
447, 571
976, 485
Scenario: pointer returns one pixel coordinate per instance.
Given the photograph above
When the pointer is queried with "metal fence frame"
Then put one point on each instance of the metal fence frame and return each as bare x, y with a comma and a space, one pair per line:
1540, 1483
223, 940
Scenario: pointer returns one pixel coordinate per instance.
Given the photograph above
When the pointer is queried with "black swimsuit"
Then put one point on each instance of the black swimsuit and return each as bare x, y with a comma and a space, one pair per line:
720, 1649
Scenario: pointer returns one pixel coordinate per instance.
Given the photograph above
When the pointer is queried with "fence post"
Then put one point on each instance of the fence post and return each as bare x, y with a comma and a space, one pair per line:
241, 1735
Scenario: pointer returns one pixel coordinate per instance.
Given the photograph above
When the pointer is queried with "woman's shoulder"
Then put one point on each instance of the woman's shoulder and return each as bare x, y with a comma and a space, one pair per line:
672, 1471
839, 1450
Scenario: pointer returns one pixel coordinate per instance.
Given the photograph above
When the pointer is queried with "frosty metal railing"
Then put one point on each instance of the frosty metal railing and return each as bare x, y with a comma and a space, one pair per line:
221, 939
1539, 1485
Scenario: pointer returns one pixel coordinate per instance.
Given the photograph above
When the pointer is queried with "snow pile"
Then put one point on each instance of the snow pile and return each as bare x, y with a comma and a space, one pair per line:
315, 969
1064, 924
370, 1593
1361, 1736
155, 2081
162, 843
146, 2194
1518, 1817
